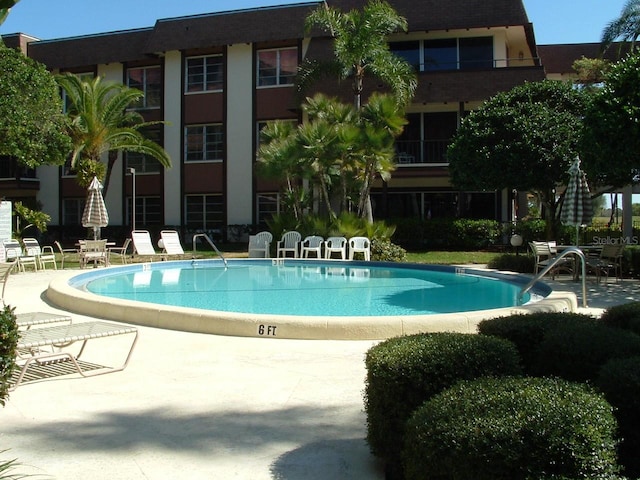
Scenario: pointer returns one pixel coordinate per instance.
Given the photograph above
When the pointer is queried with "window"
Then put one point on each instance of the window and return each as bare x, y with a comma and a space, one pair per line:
466, 53
476, 53
204, 74
141, 162
409, 51
268, 205
204, 143
85, 77
148, 211
72, 209
149, 81
277, 66
204, 212
426, 137
441, 54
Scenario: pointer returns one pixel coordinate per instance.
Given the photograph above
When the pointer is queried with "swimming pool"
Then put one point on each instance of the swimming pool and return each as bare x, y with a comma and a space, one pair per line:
299, 298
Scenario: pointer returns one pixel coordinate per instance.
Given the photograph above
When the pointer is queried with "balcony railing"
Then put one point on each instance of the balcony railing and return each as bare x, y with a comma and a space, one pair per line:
430, 152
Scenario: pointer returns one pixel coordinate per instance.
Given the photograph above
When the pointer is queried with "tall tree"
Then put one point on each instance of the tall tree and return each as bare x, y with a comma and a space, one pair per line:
626, 27
32, 126
525, 139
101, 123
339, 149
611, 143
360, 48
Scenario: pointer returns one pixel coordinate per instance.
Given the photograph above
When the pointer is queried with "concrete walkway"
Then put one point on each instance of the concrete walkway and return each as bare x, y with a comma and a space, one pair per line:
194, 406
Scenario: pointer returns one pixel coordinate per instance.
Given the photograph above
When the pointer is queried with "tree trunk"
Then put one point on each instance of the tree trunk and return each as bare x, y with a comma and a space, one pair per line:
112, 158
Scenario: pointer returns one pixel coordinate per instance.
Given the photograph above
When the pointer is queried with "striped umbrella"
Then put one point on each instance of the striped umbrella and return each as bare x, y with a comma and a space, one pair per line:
95, 211
577, 208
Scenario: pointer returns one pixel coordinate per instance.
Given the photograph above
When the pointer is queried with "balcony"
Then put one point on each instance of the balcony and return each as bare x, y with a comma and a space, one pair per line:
422, 152
16, 177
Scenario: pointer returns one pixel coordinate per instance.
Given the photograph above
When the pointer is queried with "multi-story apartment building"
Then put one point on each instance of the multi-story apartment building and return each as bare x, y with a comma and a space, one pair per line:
216, 78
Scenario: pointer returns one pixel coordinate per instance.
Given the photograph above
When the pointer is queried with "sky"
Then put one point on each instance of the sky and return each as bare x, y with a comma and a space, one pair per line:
554, 21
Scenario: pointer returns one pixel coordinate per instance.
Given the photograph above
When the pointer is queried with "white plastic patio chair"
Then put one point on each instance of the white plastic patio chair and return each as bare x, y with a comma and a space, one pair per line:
311, 244
289, 243
360, 245
335, 245
260, 244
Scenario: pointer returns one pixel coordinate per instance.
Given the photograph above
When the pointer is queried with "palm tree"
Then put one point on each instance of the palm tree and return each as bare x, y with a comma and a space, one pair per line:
278, 157
360, 48
101, 123
626, 27
5, 7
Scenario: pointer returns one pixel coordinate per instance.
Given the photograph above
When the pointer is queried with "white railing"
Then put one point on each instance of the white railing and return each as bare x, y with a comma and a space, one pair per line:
569, 251
206, 237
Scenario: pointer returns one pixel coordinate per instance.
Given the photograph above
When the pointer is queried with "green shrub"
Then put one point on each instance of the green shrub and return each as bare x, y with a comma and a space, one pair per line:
527, 331
513, 263
475, 234
512, 429
577, 350
403, 372
626, 316
8, 346
619, 380
385, 251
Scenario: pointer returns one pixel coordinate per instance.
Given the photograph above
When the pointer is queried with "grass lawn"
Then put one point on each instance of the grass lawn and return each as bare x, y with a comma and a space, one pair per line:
451, 258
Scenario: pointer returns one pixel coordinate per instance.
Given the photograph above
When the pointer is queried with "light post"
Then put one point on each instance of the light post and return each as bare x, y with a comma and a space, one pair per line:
132, 171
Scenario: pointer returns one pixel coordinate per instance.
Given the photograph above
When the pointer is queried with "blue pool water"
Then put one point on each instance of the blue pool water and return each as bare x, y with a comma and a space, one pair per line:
308, 288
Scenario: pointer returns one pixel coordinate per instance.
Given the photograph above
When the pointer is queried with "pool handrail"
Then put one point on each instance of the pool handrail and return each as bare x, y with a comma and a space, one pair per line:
206, 237
568, 251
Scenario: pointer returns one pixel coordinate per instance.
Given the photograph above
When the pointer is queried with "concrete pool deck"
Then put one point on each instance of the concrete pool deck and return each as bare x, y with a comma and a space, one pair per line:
198, 406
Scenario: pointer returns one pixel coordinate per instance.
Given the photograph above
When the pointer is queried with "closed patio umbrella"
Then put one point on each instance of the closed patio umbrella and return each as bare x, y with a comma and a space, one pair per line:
95, 211
577, 208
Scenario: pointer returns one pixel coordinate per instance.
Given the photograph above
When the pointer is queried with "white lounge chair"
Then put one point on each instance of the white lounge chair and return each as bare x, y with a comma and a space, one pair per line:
5, 271
171, 244
335, 245
43, 348
44, 255
13, 251
360, 245
311, 244
260, 245
289, 243
143, 246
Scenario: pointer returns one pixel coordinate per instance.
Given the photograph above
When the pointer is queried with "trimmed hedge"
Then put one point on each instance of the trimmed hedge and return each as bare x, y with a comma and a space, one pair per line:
619, 380
403, 372
512, 429
527, 331
8, 345
513, 263
626, 316
577, 350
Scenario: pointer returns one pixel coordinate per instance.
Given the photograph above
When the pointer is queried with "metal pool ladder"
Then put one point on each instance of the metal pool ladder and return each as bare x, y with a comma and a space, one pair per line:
206, 237
569, 251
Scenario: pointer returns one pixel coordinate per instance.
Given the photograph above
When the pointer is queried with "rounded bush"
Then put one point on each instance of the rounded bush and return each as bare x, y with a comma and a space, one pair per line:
619, 380
626, 316
403, 372
527, 331
385, 251
511, 429
513, 263
577, 350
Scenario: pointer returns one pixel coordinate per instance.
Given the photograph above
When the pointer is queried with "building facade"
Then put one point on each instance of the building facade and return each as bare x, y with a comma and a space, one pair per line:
215, 79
